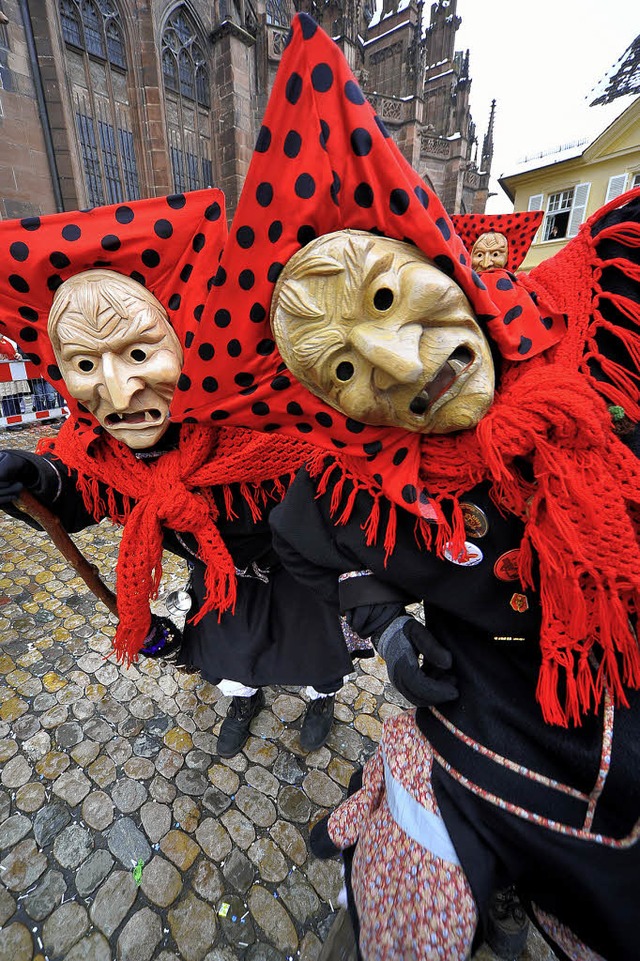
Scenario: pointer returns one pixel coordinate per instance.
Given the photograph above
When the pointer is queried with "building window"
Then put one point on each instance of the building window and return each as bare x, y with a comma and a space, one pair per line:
187, 101
97, 66
565, 212
278, 13
635, 181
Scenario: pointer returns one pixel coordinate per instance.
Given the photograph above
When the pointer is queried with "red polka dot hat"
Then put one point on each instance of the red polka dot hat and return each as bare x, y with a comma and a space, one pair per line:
519, 228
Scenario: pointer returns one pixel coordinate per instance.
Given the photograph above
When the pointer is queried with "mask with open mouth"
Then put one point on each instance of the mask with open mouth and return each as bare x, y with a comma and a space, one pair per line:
372, 327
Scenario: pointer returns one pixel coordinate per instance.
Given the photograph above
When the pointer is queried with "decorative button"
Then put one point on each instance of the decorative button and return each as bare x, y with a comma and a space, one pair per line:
468, 557
506, 567
475, 519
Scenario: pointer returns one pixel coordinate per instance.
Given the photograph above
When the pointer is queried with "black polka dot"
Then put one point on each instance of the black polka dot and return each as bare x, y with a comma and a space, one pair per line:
59, 260
220, 277
174, 301
292, 144
361, 142
293, 88
19, 283
325, 131
399, 201
28, 313
275, 231
206, 351
138, 277
304, 428
533, 295
547, 322
423, 497
478, 280
219, 414
213, 212
19, 251
264, 194
305, 186
363, 195
409, 494
504, 284
30, 223
335, 188
381, 127
186, 272
29, 334
257, 313
324, 419
400, 455
338, 443
176, 201
244, 379
512, 314
248, 391
280, 383
378, 479
322, 77
525, 345
110, 242
124, 215
354, 426
372, 448
102, 263
53, 372
150, 258
265, 347
234, 348
246, 279
444, 228
353, 93
274, 272
445, 264
294, 408
222, 318
184, 382
245, 237
306, 234
422, 196
264, 140
197, 312
71, 232
198, 242
188, 338
307, 25
260, 408
54, 281
210, 385
162, 228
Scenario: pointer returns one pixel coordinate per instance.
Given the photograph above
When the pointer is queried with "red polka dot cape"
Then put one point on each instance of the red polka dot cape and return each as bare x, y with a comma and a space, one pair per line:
171, 245
324, 162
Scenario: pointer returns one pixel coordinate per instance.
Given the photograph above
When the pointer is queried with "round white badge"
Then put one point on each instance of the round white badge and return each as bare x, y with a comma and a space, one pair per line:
471, 555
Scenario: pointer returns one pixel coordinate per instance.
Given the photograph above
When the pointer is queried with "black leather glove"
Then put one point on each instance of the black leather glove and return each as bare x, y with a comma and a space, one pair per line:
17, 472
400, 644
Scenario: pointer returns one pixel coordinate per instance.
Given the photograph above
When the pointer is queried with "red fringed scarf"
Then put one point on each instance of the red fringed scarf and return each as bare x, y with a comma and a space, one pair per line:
173, 492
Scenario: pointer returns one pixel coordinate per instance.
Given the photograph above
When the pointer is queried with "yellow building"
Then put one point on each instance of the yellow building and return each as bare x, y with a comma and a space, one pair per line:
572, 181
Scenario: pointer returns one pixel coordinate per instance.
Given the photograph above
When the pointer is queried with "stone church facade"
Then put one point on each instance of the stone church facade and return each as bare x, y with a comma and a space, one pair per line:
103, 101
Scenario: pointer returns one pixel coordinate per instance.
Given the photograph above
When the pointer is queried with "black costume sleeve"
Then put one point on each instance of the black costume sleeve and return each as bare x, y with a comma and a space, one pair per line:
57, 491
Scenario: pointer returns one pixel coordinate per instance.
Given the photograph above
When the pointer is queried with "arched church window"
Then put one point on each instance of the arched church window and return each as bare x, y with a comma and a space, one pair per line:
187, 100
97, 70
278, 13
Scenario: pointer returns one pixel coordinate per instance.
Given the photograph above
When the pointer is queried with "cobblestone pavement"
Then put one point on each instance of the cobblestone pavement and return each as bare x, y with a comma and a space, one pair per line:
122, 834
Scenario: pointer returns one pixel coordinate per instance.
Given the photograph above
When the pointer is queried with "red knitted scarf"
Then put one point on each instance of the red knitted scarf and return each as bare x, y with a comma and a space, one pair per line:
581, 512
173, 491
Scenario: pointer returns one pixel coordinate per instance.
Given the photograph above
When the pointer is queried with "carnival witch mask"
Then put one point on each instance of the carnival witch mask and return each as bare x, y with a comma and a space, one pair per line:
372, 327
117, 352
491, 250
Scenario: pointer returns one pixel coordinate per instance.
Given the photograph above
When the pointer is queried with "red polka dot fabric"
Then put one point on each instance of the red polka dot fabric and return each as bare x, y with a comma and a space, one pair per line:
518, 228
170, 245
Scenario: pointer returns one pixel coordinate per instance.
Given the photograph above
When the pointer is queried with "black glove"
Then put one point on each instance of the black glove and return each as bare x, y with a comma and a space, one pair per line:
399, 644
16, 474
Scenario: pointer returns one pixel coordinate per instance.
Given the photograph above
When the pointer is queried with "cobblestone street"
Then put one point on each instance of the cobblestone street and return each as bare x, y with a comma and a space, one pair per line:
122, 834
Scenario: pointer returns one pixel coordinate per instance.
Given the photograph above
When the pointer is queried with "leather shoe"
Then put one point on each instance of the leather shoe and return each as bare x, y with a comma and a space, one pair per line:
317, 723
235, 727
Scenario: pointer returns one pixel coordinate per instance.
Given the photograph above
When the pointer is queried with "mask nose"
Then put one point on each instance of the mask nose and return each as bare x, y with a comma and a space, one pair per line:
118, 384
393, 352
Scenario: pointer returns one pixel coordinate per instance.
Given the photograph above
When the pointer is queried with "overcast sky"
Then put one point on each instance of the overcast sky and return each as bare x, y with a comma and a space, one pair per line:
538, 60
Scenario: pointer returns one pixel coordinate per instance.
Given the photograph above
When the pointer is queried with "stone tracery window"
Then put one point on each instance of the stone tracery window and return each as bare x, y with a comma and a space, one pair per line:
97, 70
187, 100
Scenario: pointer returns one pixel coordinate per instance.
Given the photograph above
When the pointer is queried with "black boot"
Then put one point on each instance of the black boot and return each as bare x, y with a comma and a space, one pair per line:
317, 723
235, 727
508, 925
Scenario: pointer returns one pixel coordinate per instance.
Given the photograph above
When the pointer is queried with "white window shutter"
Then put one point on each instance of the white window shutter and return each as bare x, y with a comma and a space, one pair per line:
579, 209
535, 202
617, 186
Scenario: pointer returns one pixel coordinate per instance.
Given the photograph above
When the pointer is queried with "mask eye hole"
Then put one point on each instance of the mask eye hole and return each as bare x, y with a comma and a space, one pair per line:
86, 366
383, 298
138, 355
345, 370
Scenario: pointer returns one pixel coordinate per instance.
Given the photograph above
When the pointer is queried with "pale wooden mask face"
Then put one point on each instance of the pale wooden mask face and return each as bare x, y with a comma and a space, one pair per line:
490, 250
369, 325
117, 353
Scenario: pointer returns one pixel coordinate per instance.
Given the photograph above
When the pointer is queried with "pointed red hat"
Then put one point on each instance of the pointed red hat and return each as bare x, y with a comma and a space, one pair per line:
323, 162
519, 229
170, 245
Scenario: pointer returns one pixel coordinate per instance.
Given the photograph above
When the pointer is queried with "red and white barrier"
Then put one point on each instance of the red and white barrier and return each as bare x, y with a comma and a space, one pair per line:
22, 386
